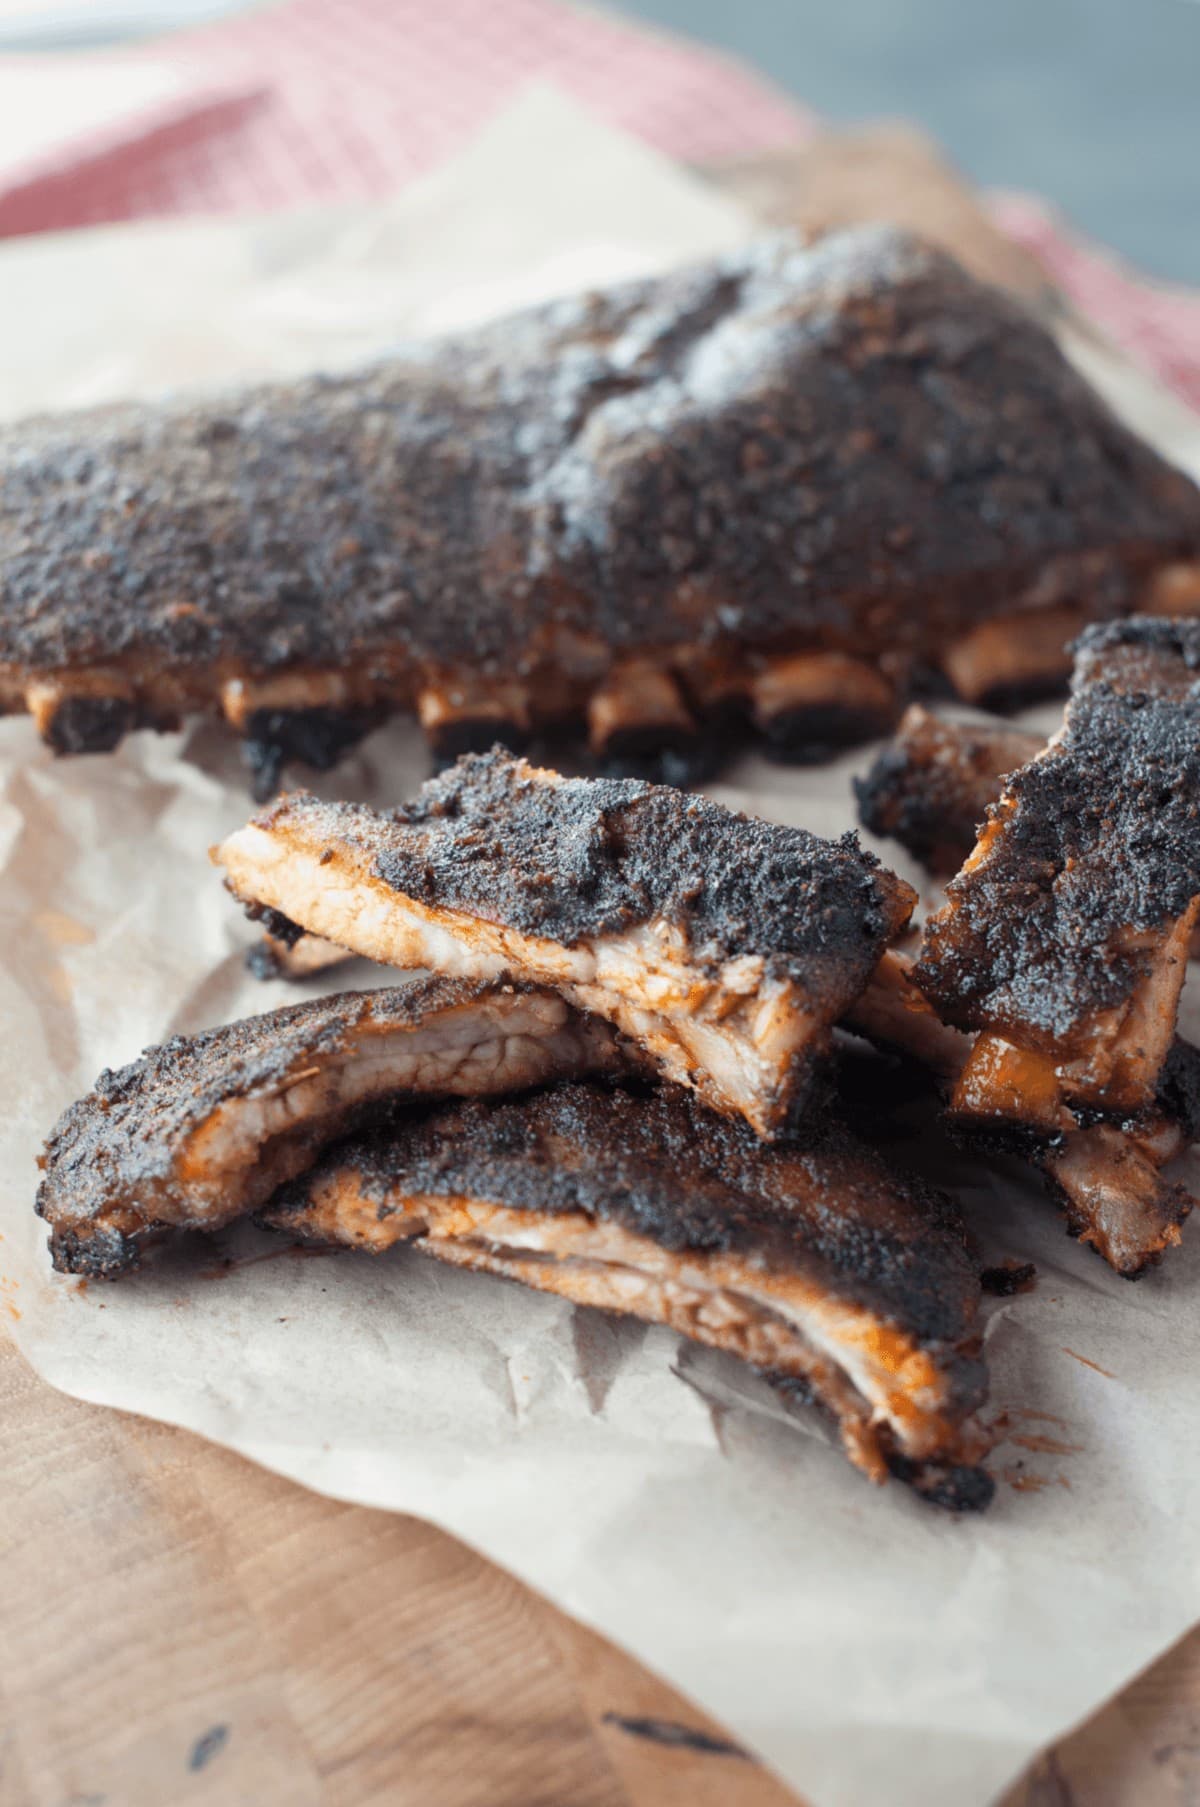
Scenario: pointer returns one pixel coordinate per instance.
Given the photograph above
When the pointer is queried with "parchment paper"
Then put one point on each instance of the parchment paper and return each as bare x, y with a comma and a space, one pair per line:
869, 1648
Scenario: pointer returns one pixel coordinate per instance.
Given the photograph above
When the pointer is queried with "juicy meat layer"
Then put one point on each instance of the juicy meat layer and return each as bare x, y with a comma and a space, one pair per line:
818, 1267
933, 783
727, 947
778, 485
1066, 933
894, 1014
203, 1129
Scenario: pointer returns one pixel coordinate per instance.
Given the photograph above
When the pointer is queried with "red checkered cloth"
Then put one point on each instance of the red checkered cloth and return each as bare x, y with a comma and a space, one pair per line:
344, 100
1156, 324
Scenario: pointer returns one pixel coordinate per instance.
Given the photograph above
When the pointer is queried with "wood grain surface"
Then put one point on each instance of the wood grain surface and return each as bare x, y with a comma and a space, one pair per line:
179, 1626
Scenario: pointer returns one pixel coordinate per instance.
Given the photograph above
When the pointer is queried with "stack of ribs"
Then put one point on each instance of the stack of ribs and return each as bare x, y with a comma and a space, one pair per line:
616, 1089
726, 948
773, 494
782, 493
619, 1087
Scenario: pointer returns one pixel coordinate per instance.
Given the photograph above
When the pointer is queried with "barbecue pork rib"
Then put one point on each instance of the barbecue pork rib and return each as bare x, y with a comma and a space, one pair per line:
1063, 942
777, 489
1106, 1175
724, 946
1066, 933
824, 1271
930, 787
203, 1129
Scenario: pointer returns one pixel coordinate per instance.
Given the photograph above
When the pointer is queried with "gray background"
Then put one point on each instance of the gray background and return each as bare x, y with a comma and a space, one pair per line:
1093, 103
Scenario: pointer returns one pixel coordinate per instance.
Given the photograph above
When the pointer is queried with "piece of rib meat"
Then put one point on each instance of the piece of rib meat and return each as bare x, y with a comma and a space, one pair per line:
818, 1266
930, 787
725, 946
1066, 934
1106, 1174
774, 489
202, 1130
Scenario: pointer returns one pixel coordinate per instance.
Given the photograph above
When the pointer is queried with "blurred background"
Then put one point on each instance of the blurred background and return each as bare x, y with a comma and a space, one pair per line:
1092, 104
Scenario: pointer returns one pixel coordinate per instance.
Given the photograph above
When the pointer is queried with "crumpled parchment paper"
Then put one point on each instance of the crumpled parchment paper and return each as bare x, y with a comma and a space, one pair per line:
869, 1648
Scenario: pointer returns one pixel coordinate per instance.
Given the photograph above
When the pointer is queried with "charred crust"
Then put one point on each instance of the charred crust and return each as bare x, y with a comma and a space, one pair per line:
1010, 1278
886, 804
90, 724
467, 504
954, 1487
279, 927
113, 1151
931, 786
1010, 699
1097, 841
1175, 639
816, 733
318, 738
937, 1480
663, 1167
100, 1253
995, 1136
451, 739
811, 1092
583, 858
262, 961
1179, 1088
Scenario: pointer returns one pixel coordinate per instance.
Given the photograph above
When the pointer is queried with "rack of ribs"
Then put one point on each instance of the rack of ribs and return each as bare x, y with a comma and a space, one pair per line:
932, 784
1063, 943
724, 946
776, 490
203, 1129
838, 1280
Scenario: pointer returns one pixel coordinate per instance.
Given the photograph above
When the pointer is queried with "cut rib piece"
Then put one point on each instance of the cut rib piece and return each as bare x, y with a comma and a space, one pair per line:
1110, 1184
1066, 933
817, 1266
203, 1129
1106, 1176
725, 946
792, 478
931, 786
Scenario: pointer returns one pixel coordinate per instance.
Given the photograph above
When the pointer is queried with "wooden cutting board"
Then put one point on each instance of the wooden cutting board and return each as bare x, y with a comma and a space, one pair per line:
178, 1626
